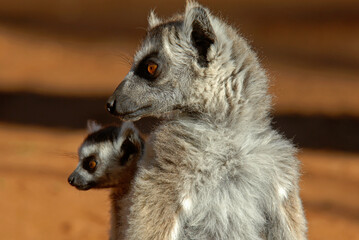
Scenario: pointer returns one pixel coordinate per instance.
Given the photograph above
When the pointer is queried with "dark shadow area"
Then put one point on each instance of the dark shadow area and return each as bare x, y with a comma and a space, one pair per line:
59, 111
320, 132
315, 131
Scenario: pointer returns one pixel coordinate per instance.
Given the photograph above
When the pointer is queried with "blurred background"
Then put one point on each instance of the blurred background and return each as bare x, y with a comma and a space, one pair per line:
61, 60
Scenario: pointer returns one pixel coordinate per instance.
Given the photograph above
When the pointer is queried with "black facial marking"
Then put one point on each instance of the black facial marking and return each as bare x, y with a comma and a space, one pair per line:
128, 148
86, 164
106, 134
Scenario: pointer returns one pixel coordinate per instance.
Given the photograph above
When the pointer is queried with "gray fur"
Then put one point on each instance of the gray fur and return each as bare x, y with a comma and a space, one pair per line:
215, 169
109, 146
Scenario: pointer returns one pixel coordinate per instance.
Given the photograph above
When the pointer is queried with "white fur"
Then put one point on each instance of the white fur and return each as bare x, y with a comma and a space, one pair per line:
175, 229
187, 205
106, 151
153, 20
282, 192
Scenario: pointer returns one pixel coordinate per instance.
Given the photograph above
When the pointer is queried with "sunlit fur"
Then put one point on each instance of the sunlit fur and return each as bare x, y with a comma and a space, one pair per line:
216, 169
107, 145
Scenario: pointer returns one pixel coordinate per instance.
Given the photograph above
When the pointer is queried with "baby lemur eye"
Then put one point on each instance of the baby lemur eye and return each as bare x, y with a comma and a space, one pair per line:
92, 164
89, 163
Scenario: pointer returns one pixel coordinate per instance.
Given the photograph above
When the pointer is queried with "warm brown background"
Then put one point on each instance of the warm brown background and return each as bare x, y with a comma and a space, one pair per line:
61, 59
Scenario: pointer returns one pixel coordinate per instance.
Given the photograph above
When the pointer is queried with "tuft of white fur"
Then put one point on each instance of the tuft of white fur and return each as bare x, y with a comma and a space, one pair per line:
282, 193
187, 205
175, 230
153, 20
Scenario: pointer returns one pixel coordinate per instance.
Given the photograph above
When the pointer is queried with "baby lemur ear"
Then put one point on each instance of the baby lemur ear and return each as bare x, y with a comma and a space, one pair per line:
93, 126
130, 133
131, 141
198, 26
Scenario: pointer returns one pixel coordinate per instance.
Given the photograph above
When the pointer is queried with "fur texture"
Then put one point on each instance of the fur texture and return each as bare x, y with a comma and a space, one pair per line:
215, 169
116, 151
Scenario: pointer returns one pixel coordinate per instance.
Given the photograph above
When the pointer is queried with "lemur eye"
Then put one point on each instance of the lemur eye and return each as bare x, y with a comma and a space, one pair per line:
89, 163
92, 164
151, 68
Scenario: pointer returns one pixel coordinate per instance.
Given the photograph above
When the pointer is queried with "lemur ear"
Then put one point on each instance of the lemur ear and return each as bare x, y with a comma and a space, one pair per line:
130, 133
153, 20
198, 26
93, 126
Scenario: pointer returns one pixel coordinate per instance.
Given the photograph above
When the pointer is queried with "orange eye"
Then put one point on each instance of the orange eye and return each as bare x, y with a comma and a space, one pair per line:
151, 68
92, 164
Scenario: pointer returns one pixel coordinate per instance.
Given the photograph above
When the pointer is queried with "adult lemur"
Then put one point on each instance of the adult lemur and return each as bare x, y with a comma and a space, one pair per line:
215, 169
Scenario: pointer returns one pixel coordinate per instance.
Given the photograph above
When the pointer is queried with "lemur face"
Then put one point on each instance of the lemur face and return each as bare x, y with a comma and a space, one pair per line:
172, 56
106, 156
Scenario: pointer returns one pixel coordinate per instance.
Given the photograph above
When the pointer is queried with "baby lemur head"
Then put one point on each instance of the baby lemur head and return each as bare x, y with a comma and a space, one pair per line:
107, 157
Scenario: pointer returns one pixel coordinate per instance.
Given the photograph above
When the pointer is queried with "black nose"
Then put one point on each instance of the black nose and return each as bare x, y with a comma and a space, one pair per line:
71, 180
111, 105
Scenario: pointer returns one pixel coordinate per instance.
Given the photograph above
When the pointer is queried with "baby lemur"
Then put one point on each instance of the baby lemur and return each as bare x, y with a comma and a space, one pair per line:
108, 159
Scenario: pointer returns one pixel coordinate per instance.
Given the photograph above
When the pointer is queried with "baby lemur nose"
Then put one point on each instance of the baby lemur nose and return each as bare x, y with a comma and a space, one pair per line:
71, 180
111, 105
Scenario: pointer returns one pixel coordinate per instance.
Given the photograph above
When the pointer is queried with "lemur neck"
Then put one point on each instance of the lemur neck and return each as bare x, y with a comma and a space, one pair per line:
122, 179
235, 92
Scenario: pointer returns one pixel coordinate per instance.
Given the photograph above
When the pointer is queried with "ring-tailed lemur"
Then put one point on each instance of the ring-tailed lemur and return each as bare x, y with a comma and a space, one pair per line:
216, 169
108, 158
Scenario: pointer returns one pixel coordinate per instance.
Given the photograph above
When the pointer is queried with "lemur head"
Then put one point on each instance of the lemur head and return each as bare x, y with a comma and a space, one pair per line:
175, 57
107, 156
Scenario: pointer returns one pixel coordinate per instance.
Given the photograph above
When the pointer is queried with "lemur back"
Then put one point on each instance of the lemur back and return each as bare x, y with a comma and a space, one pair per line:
108, 158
